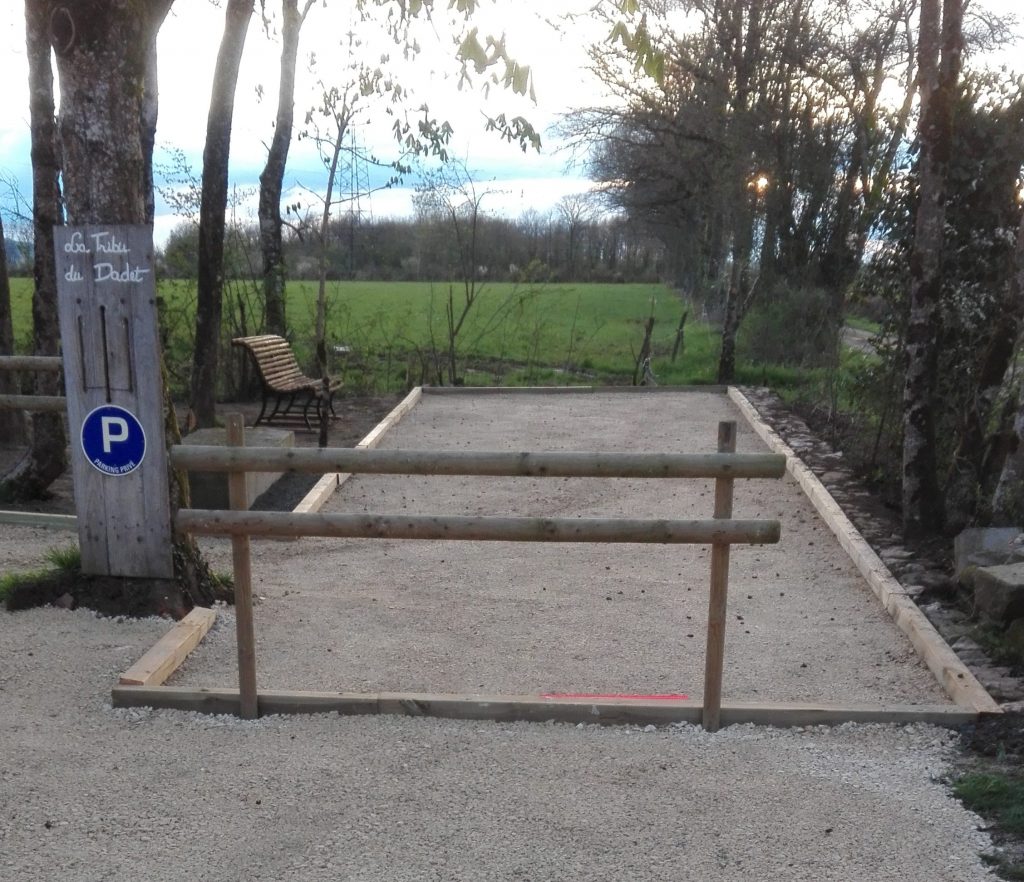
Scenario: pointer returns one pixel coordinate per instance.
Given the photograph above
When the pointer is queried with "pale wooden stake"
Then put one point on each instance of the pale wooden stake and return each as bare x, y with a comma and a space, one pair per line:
715, 653
237, 497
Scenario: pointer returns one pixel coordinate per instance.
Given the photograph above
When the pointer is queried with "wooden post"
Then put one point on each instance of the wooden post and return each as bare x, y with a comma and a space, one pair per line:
249, 704
109, 335
715, 653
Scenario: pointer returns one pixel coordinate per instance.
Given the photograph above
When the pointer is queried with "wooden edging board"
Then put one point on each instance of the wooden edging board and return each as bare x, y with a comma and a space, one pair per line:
325, 487
39, 519
969, 695
563, 390
953, 675
170, 651
531, 708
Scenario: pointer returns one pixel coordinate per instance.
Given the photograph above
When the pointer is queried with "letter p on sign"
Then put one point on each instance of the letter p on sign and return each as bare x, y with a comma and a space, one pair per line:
113, 430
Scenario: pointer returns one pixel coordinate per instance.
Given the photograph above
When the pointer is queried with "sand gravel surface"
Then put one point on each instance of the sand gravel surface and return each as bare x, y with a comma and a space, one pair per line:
92, 793
369, 615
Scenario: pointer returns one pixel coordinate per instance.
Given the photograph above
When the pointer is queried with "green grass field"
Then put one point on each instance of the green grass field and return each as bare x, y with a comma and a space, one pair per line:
386, 335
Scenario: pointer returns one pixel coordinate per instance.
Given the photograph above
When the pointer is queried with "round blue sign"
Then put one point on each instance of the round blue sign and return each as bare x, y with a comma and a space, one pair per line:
113, 440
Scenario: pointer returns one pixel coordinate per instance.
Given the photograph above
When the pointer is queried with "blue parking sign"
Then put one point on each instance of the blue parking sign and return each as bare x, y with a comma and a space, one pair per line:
113, 440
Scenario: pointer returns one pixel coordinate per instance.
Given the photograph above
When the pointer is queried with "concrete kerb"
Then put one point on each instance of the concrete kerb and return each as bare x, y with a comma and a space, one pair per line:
958, 682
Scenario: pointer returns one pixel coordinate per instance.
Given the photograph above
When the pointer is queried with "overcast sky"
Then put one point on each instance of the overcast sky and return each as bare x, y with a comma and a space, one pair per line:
187, 53
188, 47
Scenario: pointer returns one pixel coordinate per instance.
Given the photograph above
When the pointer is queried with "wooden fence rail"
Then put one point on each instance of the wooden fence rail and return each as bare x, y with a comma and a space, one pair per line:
477, 529
720, 532
49, 363
480, 463
36, 403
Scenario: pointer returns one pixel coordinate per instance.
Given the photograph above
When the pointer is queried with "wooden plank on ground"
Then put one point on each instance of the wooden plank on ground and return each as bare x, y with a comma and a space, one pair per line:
391, 420
325, 487
535, 708
953, 675
569, 390
39, 519
170, 650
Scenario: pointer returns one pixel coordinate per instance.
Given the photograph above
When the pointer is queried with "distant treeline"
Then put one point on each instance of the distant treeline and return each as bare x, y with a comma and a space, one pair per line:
534, 247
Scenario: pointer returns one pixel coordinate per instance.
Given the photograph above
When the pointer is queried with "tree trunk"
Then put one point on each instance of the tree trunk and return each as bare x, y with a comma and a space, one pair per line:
12, 427
46, 458
211, 212
1008, 498
971, 470
730, 328
922, 501
105, 62
321, 294
737, 295
272, 178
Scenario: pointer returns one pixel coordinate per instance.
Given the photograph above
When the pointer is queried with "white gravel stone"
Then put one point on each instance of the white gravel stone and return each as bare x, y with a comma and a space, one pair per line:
89, 793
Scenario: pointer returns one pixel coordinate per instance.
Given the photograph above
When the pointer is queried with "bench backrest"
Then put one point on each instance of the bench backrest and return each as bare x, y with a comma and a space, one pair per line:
274, 359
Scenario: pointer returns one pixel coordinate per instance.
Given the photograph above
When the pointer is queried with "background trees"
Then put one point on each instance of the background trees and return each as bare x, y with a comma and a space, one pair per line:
765, 157
213, 205
45, 459
763, 149
775, 155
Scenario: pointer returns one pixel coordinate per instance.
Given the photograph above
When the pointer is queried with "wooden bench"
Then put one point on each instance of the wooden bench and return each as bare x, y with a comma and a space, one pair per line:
282, 380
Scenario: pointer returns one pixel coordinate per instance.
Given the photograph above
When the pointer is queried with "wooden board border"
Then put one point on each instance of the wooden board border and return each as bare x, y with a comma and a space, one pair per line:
952, 674
168, 653
564, 390
325, 487
532, 708
39, 519
969, 695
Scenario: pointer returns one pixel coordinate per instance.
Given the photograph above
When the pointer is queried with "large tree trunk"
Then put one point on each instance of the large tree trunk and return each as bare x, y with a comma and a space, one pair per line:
1008, 499
212, 209
12, 426
970, 475
922, 502
46, 458
321, 294
272, 179
105, 60
737, 297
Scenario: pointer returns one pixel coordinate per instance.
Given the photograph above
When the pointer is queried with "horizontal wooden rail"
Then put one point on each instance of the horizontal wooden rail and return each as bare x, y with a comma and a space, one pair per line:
38, 403
39, 519
492, 464
482, 529
31, 363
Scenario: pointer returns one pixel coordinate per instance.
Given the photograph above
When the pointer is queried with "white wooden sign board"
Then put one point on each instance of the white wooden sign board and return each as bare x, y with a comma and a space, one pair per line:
106, 297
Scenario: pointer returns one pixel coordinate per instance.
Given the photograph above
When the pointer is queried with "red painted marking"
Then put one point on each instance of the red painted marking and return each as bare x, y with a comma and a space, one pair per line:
623, 696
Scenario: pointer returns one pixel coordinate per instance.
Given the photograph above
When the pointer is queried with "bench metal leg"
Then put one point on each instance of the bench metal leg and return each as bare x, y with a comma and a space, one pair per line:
263, 410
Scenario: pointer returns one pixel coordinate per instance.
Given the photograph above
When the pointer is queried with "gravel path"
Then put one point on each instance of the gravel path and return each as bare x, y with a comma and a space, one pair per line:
512, 618
90, 793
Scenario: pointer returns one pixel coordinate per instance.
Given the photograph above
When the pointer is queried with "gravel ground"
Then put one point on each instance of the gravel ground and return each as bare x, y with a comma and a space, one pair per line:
514, 618
90, 793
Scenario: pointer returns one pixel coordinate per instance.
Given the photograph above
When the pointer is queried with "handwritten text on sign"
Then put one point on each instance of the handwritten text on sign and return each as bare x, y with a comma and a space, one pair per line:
101, 244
